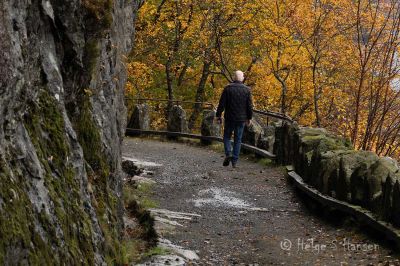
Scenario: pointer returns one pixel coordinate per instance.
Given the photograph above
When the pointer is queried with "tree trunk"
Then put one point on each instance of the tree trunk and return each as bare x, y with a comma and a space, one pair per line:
197, 107
169, 84
317, 92
357, 110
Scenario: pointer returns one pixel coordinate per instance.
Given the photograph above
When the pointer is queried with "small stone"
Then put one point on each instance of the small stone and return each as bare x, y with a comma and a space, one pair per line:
130, 168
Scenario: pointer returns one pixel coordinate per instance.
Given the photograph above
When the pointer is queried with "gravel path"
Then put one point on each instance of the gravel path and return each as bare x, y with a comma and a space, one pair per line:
249, 215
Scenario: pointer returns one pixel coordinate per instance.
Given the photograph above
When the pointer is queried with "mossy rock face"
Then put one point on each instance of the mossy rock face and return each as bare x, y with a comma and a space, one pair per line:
48, 214
107, 199
59, 231
267, 139
91, 55
303, 165
329, 154
383, 169
310, 143
349, 164
359, 179
310, 131
322, 143
325, 170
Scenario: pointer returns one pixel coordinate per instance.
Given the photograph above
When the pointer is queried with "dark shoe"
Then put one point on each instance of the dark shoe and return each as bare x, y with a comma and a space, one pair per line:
227, 160
234, 165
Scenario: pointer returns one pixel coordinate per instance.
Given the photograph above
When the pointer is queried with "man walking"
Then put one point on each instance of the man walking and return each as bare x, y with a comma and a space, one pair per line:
237, 102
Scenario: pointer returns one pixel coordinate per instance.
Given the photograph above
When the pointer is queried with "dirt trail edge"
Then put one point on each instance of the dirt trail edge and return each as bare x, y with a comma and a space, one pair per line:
243, 216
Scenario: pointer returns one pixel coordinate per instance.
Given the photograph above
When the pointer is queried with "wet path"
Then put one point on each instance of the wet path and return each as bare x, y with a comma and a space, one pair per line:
249, 215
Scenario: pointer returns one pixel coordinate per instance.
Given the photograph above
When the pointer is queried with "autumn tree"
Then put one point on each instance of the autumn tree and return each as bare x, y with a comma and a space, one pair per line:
326, 63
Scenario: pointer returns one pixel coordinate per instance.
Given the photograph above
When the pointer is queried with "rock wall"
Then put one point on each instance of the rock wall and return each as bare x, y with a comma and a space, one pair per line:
62, 120
331, 165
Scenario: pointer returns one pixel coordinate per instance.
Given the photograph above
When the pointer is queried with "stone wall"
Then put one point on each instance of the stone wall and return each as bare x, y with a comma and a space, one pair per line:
61, 125
177, 121
140, 118
331, 165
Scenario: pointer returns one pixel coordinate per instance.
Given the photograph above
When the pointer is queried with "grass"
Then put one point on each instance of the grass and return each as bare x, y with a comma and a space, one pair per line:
132, 193
156, 251
266, 162
133, 250
141, 194
148, 203
144, 188
139, 243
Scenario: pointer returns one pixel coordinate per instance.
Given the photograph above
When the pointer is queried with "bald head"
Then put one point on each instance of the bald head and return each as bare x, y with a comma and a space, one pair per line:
239, 76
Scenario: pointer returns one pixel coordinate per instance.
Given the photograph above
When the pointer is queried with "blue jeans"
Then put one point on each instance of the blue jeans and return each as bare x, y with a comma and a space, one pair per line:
237, 128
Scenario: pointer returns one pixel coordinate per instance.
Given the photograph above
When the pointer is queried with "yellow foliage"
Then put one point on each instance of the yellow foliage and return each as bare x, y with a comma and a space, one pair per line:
314, 60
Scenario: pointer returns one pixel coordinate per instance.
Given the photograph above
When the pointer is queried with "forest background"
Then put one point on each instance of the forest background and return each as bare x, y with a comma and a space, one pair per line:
328, 63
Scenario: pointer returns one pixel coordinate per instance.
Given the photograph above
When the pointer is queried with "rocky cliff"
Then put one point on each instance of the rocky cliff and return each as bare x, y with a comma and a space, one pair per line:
62, 120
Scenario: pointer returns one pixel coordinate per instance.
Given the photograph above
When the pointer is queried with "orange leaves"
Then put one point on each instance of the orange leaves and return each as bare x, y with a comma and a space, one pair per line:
140, 77
302, 56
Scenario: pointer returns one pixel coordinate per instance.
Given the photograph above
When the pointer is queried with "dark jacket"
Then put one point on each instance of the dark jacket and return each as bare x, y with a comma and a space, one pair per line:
237, 102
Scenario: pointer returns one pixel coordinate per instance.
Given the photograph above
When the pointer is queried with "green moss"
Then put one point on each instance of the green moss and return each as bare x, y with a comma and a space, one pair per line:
106, 202
45, 125
137, 201
144, 188
148, 203
141, 194
18, 219
131, 251
323, 142
156, 251
90, 140
98, 20
129, 194
266, 162
16, 216
92, 54
134, 252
